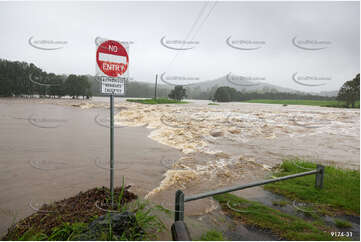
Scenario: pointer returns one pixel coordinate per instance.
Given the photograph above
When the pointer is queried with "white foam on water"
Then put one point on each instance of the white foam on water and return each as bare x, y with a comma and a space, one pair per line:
197, 129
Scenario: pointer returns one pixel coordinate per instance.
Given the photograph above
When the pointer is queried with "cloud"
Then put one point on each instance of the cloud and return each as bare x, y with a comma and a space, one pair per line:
145, 23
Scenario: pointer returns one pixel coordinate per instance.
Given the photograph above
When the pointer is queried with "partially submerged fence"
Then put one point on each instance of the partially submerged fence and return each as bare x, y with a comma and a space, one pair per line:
179, 228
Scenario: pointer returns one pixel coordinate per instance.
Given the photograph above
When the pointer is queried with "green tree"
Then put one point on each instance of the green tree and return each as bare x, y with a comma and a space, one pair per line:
57, 88
227, 94
71, 87
222, 95
350, 91
84, 86
178, 93
5, 86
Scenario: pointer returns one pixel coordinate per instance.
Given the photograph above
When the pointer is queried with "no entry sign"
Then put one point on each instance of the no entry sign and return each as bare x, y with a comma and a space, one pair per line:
112, 66
112, 70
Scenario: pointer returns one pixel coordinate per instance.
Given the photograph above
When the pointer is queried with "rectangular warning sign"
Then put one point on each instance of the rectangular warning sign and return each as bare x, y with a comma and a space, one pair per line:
113, 85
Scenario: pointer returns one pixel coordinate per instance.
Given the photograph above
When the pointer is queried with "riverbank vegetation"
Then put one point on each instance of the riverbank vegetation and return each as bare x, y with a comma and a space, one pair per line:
320, 212
89, 216
283, 225
340, 193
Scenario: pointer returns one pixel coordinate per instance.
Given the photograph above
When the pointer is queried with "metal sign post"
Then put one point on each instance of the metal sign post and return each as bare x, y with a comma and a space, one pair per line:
112, 149
112, 68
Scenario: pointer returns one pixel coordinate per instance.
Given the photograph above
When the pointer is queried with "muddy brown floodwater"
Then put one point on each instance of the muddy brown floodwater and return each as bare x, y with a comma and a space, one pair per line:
51, 149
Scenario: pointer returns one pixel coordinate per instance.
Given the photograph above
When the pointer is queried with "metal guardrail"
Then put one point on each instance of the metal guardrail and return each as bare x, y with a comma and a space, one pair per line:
180, 199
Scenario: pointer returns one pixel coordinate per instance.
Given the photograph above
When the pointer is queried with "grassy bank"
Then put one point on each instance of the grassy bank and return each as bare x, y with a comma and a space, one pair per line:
156, 101
283, 225
72, 219
340, 192
212, 235
339, 196
330, 103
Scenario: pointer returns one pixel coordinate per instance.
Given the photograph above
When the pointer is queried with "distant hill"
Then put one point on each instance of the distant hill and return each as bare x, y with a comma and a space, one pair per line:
328, 94
205, 89
242, 84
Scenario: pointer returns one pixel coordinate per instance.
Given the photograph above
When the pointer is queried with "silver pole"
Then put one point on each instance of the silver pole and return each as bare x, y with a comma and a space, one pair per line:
236, 188
112, 149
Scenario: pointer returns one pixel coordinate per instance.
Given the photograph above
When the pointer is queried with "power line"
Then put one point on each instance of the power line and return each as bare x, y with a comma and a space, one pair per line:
195, 22
204, 20
197, 30
190, 31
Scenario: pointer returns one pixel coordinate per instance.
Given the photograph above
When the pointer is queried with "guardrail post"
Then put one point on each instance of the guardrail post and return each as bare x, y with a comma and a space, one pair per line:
319, 176
179, 206
180, 231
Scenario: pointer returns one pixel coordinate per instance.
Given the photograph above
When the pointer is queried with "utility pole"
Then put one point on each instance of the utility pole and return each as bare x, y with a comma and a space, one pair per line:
155, 89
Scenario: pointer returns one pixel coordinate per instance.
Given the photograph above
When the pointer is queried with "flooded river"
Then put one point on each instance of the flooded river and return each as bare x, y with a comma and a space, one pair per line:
51, 149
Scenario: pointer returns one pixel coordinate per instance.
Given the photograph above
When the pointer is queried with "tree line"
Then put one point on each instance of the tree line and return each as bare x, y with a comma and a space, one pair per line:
229, 94
23, 79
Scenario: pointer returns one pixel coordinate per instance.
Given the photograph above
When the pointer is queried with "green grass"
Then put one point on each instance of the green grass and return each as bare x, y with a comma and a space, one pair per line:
32, 235
156, 101
71, 231
283, 225
330, 103
213, 104
66, 231
279, 203
342, 223
340, 192
342, 105
163, 209
151, 224
212, 235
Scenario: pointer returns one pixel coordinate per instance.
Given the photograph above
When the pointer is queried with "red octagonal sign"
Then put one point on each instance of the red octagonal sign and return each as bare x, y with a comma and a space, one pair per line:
112, 58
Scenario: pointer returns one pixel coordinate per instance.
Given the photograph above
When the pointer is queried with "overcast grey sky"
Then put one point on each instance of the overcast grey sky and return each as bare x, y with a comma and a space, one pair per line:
273, 24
